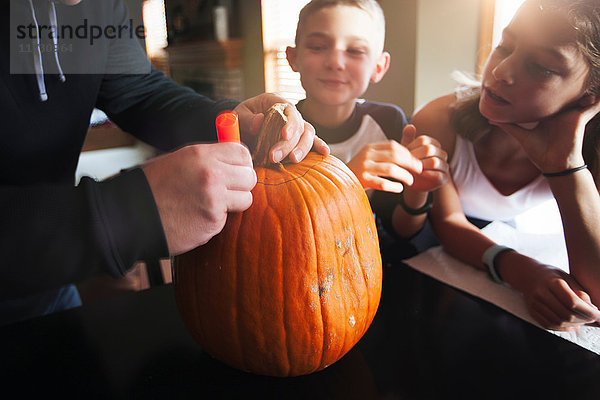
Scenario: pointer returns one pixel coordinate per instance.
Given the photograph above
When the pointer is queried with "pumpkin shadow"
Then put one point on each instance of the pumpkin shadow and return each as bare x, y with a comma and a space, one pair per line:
179, 374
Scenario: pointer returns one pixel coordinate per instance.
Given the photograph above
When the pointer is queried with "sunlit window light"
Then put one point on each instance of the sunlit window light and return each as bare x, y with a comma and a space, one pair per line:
504, 11
279, 20
156, 27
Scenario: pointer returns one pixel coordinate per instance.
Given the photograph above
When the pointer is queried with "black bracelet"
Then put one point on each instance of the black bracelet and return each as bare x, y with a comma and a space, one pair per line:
565, 172
416, 211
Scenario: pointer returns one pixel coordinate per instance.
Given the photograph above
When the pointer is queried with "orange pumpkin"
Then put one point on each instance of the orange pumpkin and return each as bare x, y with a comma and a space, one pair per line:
291, 284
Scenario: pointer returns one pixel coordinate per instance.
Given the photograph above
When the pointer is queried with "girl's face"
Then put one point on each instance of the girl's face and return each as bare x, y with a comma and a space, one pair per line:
337, 55
536, 70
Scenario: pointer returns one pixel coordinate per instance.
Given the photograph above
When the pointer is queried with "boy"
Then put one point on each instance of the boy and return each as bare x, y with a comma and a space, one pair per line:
339, 51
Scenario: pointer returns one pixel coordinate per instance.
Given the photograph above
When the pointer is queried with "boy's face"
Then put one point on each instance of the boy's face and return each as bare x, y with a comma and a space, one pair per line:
338, 54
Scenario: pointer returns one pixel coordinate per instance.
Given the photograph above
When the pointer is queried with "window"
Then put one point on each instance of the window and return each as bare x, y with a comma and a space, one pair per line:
504, 11
495, 16
155, 25
279, 20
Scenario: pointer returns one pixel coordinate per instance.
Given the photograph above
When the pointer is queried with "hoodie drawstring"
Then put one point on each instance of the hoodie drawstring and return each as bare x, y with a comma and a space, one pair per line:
37, 56
54, 24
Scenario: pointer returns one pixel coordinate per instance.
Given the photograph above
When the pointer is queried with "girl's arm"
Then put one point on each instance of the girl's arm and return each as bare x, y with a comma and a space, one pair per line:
579, 205
556, 145
553, 297
456, 234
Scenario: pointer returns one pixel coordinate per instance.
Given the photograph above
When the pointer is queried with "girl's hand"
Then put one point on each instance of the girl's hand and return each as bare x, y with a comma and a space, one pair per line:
556, 143
556, 301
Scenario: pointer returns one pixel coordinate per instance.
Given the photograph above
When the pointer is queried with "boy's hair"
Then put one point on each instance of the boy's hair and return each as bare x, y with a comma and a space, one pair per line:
372, 7
584, 16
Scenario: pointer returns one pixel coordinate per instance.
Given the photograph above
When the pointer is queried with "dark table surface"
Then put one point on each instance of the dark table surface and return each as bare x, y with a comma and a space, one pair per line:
427, 341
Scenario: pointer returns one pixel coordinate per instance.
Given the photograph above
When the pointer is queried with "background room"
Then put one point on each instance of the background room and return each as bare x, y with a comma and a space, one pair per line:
249, 57
236, 49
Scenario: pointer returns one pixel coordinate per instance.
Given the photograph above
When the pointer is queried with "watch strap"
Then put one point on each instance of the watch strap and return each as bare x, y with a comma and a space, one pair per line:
489, 261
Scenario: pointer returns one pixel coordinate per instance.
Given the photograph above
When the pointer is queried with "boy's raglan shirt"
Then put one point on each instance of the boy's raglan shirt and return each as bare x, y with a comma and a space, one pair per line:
53, 232
370, 122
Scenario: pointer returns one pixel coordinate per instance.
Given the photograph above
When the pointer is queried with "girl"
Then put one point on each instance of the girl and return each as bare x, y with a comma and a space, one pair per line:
529, 131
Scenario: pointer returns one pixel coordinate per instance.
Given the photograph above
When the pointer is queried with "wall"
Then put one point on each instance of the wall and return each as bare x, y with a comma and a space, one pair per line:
427, 39
398, 85
251, 29
447, 40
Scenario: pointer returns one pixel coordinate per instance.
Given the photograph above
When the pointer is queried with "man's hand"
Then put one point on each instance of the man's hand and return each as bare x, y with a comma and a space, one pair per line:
195, 187
298, 135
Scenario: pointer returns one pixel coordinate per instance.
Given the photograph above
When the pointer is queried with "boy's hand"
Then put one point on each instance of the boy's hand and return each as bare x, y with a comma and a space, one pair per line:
418, 163
298, 135
433, 158
386, 166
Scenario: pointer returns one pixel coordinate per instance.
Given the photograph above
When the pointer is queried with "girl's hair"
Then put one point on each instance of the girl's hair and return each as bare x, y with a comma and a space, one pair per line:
584, 16
372, 7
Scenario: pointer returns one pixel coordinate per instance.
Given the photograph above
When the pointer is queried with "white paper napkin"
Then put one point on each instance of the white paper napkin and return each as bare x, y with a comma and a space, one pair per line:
548, 248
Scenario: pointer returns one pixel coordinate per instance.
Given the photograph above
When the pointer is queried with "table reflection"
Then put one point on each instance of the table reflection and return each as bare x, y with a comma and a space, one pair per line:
428, 340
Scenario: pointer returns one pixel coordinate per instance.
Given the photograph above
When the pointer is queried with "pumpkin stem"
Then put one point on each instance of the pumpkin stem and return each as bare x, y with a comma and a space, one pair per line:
270, 133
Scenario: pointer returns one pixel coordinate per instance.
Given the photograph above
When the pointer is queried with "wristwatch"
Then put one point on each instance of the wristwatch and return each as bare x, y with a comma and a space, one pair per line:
489, 261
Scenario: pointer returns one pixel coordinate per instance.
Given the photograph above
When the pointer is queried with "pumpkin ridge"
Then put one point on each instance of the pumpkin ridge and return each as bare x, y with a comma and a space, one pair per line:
318, 264
238, 340
243, 276
299, 187
357, 249
335, 171
340, 266
233, 312
373, 303
264, 315
282, 366
284, 331
316, 184
337, 168
293, 178
286, 364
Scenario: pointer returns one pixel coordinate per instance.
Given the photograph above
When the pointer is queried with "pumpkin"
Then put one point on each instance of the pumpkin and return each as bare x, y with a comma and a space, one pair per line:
290, 285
